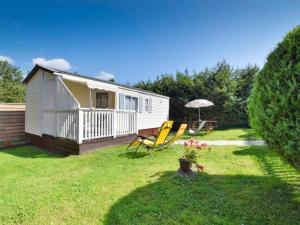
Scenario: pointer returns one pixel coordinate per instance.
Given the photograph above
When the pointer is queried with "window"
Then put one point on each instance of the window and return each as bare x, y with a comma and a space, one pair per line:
121, 101
134, 103
140, 102
127, 102
102, 100
146, 104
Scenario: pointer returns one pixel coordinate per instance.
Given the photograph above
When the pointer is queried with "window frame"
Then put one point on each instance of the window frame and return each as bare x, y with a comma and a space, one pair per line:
98, 94
147, 105
128, 106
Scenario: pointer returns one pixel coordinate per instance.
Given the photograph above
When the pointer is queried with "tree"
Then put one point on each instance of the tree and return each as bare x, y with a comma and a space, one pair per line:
220, 89
245, 78
11, 88
227, 87
274, 105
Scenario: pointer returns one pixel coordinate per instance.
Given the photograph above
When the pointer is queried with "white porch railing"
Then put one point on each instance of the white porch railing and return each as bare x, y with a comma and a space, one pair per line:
126, 123
88, 124
61, 123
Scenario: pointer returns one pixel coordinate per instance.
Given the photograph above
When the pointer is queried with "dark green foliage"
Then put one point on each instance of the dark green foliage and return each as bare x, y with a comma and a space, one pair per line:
228, 88
274, 105
11, 88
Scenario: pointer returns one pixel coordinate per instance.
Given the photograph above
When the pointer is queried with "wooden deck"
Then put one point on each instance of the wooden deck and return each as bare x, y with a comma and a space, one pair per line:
70, 147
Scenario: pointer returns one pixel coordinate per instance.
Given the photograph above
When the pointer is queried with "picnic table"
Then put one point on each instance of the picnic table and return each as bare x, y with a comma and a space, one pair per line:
208, 127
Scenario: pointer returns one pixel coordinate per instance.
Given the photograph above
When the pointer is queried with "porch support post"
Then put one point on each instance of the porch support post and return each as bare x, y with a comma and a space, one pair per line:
116, 100
80, 126
135, 123
91, 102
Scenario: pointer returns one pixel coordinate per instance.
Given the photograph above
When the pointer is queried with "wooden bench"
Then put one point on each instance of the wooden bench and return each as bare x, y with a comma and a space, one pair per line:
209, 126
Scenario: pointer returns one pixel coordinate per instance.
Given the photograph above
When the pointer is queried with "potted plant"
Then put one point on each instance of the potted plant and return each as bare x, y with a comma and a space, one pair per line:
190, 156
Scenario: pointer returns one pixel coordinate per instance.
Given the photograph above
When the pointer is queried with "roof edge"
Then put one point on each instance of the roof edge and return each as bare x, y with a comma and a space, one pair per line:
53, 71
33, 71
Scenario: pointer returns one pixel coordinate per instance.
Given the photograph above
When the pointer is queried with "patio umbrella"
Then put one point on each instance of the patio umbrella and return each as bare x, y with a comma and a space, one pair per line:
198, 103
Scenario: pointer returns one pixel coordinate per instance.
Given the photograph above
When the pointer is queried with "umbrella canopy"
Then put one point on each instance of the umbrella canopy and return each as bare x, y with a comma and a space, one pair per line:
198, 103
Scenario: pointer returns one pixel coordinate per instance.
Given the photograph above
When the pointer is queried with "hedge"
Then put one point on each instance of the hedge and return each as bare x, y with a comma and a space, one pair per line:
274, 103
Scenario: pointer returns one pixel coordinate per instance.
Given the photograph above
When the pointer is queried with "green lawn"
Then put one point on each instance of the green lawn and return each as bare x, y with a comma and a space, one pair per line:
229, 134
250, 185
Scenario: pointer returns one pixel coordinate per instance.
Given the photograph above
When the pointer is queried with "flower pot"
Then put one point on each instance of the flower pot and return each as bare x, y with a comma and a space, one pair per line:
185, 165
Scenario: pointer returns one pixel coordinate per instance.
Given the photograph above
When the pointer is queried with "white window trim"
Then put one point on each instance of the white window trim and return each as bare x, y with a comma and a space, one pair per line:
147, 110
124, 102
140, 104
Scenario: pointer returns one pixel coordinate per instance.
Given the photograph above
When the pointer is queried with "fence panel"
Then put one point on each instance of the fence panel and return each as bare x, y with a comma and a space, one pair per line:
12, 122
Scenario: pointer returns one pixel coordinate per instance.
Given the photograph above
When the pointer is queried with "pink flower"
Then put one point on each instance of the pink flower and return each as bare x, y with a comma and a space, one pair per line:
200, 168
199, 146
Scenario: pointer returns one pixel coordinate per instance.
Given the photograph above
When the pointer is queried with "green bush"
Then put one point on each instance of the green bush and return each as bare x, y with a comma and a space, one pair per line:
227, 87
274, 104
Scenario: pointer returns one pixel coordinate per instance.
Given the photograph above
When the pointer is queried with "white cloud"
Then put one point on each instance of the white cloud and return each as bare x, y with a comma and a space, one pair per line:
103, 75
58, 63
7, 59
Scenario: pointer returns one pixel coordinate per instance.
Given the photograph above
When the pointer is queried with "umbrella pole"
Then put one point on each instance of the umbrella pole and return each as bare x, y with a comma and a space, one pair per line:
199, 114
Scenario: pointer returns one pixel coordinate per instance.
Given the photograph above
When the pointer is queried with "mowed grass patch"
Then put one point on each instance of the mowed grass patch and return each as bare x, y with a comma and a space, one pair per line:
228, 134
251, 185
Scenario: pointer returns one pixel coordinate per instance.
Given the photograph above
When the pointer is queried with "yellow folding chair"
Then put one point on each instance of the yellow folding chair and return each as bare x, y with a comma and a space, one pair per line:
152, 144
179, 133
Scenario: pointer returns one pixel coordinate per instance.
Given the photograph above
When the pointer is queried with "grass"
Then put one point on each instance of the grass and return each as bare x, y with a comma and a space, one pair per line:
229, 134
250, 185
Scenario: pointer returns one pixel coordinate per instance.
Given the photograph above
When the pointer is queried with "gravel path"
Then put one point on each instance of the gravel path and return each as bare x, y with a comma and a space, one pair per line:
226, 142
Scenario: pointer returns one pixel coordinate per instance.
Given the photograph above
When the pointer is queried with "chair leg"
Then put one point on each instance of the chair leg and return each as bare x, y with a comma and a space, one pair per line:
136, 150
131, 144
173, 147
149, 151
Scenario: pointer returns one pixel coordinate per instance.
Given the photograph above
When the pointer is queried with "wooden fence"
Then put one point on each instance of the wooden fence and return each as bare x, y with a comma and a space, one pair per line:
12, 122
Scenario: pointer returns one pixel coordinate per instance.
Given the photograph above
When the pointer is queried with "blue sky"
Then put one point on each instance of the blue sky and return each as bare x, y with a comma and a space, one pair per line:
138, 40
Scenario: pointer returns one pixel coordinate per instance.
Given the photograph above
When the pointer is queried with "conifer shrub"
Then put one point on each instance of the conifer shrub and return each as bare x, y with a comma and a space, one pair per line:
274, 103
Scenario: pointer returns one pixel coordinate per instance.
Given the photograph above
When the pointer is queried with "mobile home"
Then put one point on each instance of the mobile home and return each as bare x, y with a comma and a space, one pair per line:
71, 113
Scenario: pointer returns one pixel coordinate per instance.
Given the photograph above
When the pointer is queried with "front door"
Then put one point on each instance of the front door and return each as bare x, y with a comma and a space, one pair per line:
102, 100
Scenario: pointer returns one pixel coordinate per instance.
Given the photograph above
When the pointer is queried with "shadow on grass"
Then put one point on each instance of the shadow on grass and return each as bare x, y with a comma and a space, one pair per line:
208, 199
141, 153
131, 155
29, 151
250, 135
273, 165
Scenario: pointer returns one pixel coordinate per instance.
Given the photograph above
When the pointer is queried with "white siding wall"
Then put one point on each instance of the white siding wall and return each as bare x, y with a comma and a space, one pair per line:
49, 90
158, 114
33, 104
40, 97
63, 100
